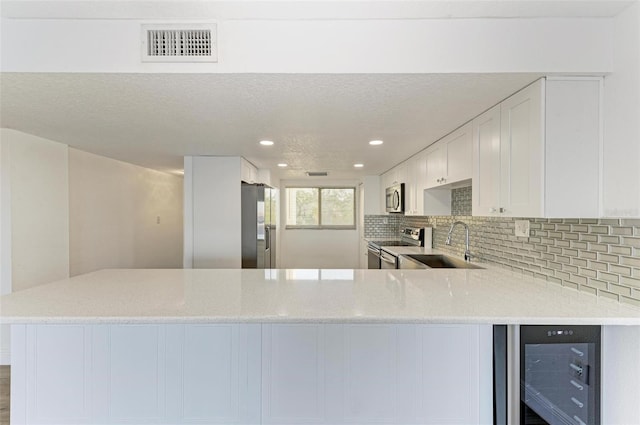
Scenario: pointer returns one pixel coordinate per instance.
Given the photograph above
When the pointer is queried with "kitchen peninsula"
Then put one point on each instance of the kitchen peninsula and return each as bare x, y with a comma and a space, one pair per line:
286, 346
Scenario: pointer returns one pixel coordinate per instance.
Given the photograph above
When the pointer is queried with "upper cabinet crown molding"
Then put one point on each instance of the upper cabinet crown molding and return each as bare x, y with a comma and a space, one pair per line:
537, 154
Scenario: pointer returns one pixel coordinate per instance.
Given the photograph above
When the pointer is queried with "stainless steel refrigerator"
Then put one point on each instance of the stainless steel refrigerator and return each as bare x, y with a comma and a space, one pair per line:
258, 226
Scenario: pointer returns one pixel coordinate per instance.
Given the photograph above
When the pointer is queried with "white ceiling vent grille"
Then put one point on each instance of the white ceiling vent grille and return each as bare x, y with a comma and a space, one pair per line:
179, 43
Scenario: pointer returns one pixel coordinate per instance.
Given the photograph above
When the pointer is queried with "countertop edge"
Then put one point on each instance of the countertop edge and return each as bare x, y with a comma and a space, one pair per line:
611, 321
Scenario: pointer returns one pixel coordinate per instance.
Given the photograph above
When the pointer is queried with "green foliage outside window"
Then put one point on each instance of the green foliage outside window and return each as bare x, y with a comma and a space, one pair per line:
314, 207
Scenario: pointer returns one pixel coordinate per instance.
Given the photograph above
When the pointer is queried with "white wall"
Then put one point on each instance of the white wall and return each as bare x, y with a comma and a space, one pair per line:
322, 45
34, 215
306, 248
114, 209
39, 191
621, 119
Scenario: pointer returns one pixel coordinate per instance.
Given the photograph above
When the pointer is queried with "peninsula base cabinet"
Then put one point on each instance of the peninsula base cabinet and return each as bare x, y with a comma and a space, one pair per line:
364, 374
278, 374
251, 374
135, 374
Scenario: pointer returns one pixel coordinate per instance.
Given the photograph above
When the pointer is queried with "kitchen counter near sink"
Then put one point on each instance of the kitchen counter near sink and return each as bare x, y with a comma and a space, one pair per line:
486, 296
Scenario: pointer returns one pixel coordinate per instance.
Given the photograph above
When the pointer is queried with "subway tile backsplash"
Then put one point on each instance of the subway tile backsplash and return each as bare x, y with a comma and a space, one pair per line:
381, 226
597, 256
461, 201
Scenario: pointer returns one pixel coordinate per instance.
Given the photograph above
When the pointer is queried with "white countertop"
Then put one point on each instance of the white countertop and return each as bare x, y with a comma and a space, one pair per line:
490, 296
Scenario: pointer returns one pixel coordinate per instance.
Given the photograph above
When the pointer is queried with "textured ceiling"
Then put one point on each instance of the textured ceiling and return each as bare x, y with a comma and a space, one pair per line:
318, 122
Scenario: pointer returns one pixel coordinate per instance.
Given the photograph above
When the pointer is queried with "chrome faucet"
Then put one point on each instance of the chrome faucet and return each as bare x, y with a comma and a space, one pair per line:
467, 252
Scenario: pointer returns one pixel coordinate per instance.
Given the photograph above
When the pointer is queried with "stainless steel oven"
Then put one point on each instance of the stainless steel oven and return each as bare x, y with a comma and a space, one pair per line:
560, 375
373, 257
388, 260
378, 258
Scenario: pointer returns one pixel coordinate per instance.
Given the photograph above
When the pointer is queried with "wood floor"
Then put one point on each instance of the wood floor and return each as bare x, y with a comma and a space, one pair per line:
5, 379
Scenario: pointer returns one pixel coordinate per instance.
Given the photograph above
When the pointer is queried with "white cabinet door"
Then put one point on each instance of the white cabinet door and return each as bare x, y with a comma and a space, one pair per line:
401, 172
409, 188
435, 163
450, 159
522, 149
248, 173
486, 163
573, 142
414, 186
459, 155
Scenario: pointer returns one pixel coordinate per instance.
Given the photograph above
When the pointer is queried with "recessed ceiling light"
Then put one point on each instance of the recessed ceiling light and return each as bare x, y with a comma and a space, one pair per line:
282, 165
358, 165
266, 142
376, 142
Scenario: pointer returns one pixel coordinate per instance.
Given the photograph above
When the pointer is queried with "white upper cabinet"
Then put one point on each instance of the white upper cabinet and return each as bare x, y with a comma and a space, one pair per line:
521, 153
573, 146
459, 158
537, 153
450, 159
486, 172
416, 167
248, 172
435, 160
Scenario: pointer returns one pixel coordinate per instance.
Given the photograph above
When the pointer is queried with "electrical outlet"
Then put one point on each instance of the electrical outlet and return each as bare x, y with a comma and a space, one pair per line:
522, 228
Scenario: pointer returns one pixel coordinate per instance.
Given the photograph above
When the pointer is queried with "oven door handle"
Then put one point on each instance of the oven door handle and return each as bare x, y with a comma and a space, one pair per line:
387, 260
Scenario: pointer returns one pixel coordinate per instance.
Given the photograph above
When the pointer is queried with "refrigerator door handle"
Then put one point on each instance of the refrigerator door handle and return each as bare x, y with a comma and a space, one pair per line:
267, 237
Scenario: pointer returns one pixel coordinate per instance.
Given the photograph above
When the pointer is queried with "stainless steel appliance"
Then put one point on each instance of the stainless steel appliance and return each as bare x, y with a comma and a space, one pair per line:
560, 375
258, 226
388, 260
394, 198
378, 258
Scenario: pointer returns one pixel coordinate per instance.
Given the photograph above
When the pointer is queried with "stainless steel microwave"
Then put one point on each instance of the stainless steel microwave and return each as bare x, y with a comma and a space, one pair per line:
394, 198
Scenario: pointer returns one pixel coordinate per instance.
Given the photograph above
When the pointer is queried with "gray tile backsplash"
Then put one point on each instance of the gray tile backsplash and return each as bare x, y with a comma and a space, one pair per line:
381, 226
461, 201
598, 256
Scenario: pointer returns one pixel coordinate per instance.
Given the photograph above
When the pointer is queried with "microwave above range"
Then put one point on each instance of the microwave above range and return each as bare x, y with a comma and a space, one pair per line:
394, 199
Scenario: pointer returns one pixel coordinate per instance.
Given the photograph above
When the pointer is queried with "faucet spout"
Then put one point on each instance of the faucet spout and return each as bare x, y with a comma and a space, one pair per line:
467, 252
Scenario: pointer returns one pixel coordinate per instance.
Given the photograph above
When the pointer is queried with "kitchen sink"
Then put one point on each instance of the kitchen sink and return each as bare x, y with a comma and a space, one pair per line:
434, 261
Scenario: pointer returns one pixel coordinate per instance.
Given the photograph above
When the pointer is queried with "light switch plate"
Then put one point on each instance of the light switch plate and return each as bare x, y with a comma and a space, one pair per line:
522, 228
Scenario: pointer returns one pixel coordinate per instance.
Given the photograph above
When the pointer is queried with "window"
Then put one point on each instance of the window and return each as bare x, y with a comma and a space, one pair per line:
321, 207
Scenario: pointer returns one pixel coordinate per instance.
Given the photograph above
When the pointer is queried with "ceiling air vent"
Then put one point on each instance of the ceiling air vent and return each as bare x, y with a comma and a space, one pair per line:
179, 43
317, 173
